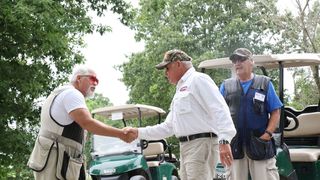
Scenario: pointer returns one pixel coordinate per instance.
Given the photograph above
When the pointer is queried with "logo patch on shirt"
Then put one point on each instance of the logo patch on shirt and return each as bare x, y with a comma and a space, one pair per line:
184, 88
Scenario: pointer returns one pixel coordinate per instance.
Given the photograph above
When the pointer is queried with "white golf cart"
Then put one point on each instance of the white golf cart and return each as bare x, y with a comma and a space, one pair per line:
114, 159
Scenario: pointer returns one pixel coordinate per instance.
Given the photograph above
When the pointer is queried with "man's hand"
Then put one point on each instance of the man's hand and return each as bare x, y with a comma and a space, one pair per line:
130, 134
226, 157
265, 137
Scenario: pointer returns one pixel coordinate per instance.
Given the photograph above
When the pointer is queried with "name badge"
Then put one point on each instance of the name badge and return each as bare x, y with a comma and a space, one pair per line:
259, 96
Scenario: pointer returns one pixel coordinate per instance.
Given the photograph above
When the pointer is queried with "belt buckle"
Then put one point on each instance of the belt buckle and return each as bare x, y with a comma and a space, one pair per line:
188, 138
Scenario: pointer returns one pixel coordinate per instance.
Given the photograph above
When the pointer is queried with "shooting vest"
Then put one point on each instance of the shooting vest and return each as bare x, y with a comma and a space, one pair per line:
67, 140
249, 114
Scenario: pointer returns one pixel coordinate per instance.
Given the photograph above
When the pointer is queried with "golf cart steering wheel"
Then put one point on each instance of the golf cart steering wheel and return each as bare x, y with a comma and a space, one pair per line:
289, 114
144, 143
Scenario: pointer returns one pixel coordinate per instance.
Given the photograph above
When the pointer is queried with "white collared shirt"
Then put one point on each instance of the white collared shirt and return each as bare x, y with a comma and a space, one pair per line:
197, 107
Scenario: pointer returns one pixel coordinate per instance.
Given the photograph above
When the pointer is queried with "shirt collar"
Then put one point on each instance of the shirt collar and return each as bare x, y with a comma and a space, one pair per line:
186, 76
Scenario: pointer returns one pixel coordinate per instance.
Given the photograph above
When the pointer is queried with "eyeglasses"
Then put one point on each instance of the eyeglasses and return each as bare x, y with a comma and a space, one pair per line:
92, 78
239, 58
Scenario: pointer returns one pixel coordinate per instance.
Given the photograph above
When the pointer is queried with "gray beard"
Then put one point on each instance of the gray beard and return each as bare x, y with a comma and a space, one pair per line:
89, 93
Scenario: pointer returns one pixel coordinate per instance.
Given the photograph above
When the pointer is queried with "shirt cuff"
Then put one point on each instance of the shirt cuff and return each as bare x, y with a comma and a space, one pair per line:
227, 136
142, 133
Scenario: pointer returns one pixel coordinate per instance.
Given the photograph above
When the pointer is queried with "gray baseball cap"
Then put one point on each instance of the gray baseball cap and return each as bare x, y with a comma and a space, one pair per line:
242, 52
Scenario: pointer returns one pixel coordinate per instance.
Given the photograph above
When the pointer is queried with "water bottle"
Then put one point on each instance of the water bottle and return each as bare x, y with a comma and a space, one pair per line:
220, 172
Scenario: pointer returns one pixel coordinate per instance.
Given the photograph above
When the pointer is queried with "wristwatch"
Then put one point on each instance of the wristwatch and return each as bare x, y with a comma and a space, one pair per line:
269, 133
223, 141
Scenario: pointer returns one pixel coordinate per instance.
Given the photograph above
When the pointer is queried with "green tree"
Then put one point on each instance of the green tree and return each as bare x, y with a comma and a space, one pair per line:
301, 34
40, 43
305, 90
97, 101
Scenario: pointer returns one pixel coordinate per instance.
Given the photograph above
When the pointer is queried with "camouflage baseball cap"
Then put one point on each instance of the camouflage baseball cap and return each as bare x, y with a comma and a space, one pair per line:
171, 56
242, 52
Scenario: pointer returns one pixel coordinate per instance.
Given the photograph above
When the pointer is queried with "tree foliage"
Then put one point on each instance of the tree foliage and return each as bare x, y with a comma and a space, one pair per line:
305, 90
97, 101
303, 35
40, 44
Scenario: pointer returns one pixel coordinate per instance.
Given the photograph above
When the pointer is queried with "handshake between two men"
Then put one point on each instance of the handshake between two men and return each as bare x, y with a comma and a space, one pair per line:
129, 134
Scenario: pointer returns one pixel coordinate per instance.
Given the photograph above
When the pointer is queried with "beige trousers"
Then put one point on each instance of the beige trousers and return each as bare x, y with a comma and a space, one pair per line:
259, 170
198, 159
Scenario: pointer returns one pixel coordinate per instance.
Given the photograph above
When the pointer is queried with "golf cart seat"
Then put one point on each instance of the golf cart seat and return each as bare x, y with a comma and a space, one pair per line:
308, 131
308, 109
153, 151
309, 125
304, 154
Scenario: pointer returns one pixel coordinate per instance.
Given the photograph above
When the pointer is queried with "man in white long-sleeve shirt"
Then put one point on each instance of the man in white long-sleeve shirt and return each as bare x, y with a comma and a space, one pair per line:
199, 117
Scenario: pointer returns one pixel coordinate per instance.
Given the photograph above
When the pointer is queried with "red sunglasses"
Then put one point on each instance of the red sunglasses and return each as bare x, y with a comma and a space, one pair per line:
92, 78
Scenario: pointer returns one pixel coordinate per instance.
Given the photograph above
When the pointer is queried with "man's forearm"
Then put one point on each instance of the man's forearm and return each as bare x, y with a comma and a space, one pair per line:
274, 120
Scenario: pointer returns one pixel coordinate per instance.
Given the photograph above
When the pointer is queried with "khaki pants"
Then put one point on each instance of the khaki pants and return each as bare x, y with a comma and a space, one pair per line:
198, 159
259, 170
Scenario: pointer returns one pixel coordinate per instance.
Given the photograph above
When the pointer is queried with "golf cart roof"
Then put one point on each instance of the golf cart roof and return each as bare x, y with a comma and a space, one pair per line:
129, 111
267, 61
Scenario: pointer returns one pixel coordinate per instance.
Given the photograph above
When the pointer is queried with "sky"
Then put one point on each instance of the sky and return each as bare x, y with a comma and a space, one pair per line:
102, 53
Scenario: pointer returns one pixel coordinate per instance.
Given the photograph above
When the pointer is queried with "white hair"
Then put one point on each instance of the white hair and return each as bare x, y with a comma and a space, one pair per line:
187, 64
81, 70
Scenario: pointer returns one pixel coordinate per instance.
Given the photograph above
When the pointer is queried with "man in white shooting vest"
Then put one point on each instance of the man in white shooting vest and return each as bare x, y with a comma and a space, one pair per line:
58, 150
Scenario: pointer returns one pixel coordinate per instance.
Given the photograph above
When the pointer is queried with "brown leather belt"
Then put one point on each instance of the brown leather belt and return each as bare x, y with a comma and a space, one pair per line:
196, 136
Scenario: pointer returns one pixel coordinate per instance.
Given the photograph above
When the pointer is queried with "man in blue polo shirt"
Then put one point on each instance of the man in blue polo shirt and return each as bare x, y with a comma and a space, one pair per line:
255, 110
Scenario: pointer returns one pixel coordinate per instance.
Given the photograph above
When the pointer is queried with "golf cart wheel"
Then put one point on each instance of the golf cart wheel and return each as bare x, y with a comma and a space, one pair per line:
138, 177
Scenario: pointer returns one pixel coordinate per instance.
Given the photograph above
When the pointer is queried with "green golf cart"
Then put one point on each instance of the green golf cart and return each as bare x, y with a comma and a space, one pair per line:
298, 135
114, 159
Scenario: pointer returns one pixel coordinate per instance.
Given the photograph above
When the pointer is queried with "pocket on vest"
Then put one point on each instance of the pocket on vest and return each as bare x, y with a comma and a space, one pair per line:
258, 106
68, 167
259, 149
40, 153
236, 147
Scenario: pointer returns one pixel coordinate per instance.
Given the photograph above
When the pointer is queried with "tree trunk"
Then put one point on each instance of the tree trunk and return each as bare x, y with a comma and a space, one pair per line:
315, 73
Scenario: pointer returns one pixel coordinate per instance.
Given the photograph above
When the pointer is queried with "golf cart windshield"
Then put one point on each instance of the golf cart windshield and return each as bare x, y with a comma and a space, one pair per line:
103, 145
